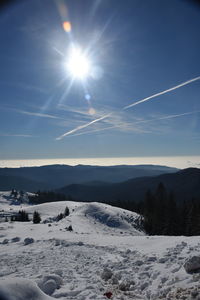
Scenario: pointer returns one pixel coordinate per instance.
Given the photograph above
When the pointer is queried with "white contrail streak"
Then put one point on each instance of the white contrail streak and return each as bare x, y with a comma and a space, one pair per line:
162, 93
36, 114
96, 130
58, 51
131, 105
138, 122
17, 135
81, 127
168, 117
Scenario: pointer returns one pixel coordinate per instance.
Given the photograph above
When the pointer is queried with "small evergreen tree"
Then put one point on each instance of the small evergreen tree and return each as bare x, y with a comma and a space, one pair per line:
59, 217
36, 217
70, 228
12, 192
66, 212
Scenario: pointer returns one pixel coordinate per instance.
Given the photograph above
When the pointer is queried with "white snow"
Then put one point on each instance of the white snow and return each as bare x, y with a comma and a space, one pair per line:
21, 289
103, 253
9, 202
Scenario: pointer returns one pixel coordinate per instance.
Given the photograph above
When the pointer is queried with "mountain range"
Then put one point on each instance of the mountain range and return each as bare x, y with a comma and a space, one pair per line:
103, 184
57, 176
185, 184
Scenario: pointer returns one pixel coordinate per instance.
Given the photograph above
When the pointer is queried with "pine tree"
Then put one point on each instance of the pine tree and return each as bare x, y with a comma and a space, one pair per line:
160, 209
66, 212
183, 209
36, 217
192, 221
70, 228
59, 217
171, 226
149, 211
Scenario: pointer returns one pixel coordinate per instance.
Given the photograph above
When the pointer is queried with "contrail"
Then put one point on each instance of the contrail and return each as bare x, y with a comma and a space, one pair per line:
168, 117
163, 92
138, 122
36, 114
130, 105
81, 127
96, 130
17, 135
58, 51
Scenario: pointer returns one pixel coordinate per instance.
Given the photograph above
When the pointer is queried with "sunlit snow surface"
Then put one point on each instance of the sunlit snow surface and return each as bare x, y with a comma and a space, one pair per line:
103, 253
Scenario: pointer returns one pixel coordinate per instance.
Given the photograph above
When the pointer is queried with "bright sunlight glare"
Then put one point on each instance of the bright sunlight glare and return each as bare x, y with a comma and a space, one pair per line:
78, 64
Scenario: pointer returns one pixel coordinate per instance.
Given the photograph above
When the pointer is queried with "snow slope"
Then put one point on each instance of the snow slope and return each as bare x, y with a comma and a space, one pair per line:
103, 254
8, 201
21, 289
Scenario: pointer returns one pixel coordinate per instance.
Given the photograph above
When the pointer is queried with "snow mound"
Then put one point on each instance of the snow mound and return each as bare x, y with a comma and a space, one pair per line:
108, 215
21, 289
88, 217
108, 218
50, 283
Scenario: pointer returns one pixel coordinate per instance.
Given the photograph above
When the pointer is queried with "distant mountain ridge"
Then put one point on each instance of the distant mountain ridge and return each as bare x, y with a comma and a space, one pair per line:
8, 182
185, 185
56, 176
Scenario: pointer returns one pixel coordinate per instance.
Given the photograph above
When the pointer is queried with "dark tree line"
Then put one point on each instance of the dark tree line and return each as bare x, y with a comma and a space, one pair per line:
162, 215
160, 212
43, 197
21, 216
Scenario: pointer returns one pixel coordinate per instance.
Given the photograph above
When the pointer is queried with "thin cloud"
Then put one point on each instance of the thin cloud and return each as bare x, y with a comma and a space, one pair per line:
131, 105
81, 127
17, 135
137, 122
36, 114
24, 86
169, 117
74, 110
110, 127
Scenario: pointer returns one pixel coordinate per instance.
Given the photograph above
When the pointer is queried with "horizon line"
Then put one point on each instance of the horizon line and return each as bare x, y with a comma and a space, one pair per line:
174, 161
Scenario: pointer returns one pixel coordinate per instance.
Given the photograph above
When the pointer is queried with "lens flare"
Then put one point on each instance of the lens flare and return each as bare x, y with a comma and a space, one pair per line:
67, 26
91, 111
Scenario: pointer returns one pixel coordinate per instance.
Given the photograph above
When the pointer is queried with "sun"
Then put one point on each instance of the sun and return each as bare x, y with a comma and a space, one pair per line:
78, 64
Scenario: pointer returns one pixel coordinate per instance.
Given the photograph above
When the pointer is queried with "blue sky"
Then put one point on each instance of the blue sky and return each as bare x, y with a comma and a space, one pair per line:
137, 49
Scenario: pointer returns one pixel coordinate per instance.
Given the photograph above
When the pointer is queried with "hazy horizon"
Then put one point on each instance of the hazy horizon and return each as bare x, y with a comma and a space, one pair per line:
180, 162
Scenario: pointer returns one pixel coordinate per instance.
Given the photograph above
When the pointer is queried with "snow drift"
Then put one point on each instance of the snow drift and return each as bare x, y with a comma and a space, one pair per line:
21, 289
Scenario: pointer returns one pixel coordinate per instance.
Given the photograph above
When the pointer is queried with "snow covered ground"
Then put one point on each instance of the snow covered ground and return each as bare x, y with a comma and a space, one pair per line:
104, 256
